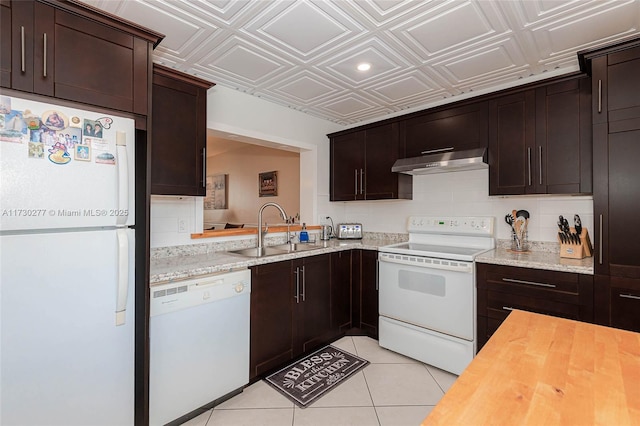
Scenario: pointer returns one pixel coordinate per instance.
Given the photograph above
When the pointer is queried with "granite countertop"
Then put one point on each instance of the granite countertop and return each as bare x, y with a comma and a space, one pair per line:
548, 260
167, 269
181, 266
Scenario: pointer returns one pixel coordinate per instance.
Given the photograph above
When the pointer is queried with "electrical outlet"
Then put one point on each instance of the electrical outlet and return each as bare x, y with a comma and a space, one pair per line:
182, 225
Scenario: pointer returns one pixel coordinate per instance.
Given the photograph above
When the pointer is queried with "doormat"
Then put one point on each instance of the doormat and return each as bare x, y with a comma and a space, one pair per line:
308, 379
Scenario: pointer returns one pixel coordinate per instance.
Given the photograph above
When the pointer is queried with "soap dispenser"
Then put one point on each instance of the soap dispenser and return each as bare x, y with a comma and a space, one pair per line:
304, 236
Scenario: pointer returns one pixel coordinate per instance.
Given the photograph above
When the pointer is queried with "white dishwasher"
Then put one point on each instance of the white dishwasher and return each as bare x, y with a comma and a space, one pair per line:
199, 343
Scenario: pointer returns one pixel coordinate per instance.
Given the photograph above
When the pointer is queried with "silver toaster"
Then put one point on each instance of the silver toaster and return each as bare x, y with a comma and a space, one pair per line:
349, 231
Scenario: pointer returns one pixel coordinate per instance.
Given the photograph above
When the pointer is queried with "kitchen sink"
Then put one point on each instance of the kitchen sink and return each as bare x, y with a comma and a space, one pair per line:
253, 252
275, 250
291, 248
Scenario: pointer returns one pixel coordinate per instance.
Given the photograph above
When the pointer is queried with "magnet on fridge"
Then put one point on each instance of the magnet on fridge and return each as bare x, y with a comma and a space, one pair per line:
55, 120
58, 154
36, 150
82, 152
105, 122
75, 121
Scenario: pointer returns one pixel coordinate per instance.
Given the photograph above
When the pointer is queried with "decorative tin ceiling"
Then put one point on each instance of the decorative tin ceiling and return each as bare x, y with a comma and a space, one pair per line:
304, 53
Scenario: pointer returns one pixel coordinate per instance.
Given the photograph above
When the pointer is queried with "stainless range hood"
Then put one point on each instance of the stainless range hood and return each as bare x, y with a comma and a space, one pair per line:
450, 161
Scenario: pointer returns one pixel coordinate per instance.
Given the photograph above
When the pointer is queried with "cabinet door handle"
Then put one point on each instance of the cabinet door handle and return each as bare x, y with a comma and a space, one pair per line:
377, 273
529, 163
304, 284
540, 163
630, 296
600, 242
508, 308
44, 56
297, 296
361, 185
356, 181
511, 280
433, 151
599, 96
22, 60
204, 167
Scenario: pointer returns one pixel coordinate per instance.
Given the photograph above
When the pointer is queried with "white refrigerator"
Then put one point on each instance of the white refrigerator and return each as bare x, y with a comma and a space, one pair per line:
66, 265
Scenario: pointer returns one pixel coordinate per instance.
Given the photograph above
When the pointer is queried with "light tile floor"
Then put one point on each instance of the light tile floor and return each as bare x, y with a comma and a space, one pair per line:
392, 390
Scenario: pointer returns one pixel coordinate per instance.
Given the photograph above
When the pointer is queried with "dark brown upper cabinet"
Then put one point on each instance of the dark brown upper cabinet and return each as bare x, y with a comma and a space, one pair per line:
616, 89
5, 43
64, 50
511, 139
615, 76
616, 150
179, 133
452, 129
361, 164
540, 140
563, 138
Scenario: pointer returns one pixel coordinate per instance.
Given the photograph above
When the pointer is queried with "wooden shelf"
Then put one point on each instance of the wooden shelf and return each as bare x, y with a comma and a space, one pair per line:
251, 231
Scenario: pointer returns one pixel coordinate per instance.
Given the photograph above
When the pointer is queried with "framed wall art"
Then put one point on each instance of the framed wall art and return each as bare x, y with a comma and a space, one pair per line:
268, 184
216, 198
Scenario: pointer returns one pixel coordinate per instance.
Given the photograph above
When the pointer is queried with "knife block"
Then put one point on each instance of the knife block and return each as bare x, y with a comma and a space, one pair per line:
577, 251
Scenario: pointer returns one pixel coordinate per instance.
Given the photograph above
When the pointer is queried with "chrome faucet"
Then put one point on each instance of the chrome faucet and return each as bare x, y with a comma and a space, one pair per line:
260, 231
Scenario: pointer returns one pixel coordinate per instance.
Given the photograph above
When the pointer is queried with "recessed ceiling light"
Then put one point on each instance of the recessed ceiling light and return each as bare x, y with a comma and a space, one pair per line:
364, 66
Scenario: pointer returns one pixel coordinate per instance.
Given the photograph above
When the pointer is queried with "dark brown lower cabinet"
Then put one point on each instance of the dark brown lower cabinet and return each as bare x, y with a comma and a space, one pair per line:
312, 310
617, 302
340, 292
504, 288
290, 311
365, 292
272, 309
300, 305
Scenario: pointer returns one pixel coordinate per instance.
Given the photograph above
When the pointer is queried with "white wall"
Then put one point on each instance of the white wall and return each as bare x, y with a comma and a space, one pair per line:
242, 167
454, 194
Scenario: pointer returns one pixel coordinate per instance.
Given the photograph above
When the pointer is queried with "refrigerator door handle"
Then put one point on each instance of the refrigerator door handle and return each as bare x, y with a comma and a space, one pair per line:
123, 179
123, 276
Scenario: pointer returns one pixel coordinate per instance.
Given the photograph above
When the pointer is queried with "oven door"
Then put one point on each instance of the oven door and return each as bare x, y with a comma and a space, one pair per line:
435, 294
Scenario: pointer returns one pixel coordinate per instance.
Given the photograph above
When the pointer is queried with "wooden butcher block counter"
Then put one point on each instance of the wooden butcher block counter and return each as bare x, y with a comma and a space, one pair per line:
543, 370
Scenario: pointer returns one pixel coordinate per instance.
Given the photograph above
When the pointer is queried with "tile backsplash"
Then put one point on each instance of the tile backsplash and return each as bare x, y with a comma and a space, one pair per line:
465, 194
174, 219
443, 194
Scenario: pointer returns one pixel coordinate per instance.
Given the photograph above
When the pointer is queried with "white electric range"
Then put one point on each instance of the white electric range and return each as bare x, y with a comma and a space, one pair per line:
427, 290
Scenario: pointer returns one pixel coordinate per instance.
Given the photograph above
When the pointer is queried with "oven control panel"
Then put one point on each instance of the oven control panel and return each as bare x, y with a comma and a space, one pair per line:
463, 225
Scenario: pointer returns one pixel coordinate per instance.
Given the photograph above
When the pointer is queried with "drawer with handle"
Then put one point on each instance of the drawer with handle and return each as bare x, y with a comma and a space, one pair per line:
625, 303
504, 288
531, 280
500, 304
